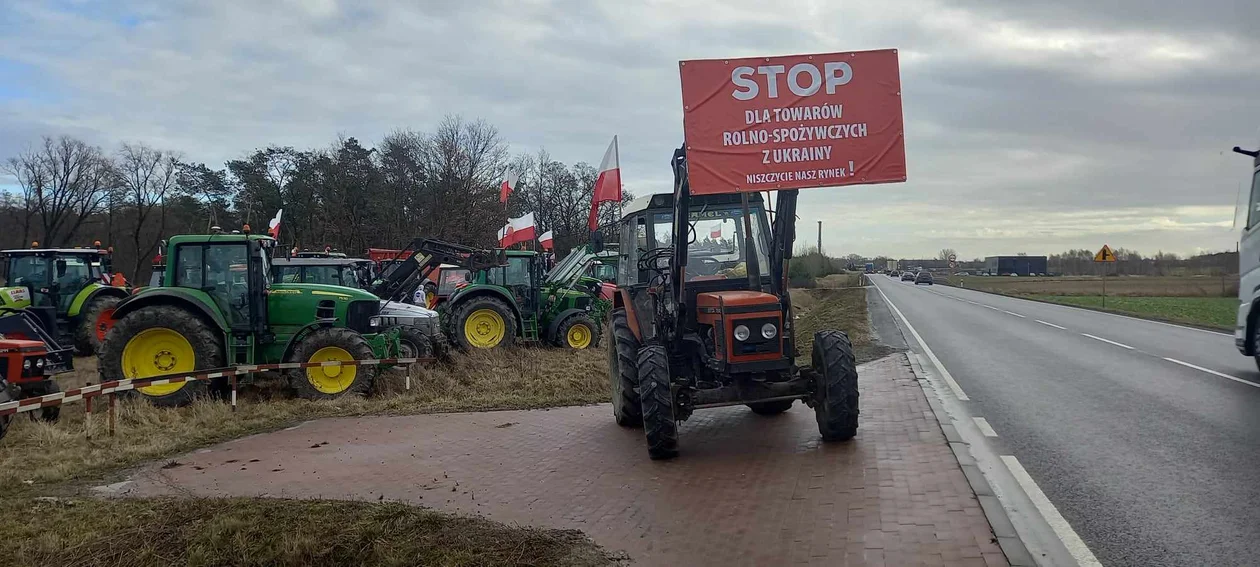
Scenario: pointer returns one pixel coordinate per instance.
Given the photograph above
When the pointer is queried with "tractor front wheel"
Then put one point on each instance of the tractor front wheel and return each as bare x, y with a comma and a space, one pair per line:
577, 332
331, 382
483, 322
49, 414
836, 394
5, 397
95, 321
413, 344
657, 400
623, 353
159, 340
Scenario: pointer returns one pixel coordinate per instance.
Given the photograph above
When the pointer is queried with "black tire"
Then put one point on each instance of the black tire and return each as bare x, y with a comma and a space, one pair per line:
86, 340
562, 332
338, 337
466, 308
5, 397
207, 345
413, 344
770, 408
623, 373
836, 394
48, 414
657, 400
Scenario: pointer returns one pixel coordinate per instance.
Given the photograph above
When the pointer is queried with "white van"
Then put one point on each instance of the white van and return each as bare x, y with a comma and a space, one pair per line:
1247, 330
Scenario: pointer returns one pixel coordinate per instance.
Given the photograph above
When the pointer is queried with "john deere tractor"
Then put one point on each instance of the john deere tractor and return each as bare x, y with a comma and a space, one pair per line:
217, 307
70, 283
515, 301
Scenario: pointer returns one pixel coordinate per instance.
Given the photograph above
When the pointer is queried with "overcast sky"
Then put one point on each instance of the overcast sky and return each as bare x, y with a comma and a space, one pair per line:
1031, 126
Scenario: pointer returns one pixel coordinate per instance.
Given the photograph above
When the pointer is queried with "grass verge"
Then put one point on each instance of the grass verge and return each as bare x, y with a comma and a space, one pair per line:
839, 309
35, 456
1215, 312
266, 532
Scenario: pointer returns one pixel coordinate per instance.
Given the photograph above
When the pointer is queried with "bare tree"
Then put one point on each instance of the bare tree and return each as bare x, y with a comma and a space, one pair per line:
945, 253
145, 177
63, 182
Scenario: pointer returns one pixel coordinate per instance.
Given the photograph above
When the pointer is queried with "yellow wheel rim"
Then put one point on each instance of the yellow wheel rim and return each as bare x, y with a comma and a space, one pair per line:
579, 336
158, 351
484, 328
331, 379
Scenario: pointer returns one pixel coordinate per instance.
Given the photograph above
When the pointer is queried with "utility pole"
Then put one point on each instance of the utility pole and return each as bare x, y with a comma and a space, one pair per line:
820, 252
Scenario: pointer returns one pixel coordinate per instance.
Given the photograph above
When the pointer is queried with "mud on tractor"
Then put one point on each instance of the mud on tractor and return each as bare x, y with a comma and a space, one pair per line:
71, 284
217, 307
701, 322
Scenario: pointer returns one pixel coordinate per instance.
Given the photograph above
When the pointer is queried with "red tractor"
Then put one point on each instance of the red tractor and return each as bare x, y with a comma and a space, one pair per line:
29, 359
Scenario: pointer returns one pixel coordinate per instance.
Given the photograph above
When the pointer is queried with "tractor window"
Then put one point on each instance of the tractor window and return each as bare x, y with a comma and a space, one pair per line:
29, 271
518, 271
327, 275
450, 279
219, 270
288, 274
717, 241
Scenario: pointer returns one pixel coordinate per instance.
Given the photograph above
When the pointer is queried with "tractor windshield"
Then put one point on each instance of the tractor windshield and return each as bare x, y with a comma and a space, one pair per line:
29, 271
718, 242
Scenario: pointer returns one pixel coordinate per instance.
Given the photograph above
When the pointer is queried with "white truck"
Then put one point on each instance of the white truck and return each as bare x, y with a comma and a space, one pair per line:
1247, 330
892, 266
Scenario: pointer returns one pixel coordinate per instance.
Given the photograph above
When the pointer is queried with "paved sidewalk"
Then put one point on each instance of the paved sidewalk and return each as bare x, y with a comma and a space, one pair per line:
747, 490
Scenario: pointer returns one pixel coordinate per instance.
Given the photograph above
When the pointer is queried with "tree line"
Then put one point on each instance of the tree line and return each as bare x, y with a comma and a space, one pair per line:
1080, 262
349, 196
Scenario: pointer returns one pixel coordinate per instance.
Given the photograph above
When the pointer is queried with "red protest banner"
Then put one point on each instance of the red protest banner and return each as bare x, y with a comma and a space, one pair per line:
793, 122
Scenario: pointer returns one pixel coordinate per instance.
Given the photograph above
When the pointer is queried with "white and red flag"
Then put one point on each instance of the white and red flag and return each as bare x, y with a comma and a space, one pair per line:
273, 227
509, 184
546, 240
519, 229
608, 185
716, 233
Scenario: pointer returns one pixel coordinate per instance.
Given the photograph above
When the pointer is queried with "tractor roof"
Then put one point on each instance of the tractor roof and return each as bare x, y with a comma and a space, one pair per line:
55, 251
319, 261
666, 201
221, 237
521, 253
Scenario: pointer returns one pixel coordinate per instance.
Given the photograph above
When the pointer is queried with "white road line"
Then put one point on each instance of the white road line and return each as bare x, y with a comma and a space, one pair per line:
989, 306
1061, 527
1213, 372
1121, 345
958, 391
1050, 324
985, 428
1015, 314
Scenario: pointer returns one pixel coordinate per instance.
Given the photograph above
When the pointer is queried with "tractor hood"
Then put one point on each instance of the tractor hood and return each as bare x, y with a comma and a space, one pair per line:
397, 309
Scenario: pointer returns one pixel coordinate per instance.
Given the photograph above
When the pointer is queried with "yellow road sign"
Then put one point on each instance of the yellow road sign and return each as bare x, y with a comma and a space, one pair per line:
1105, 255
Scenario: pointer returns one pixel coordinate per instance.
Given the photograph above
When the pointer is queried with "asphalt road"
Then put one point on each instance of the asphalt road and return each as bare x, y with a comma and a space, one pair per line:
1151, 461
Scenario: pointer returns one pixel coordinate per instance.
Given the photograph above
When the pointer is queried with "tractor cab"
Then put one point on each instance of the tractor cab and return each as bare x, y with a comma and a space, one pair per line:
348, 272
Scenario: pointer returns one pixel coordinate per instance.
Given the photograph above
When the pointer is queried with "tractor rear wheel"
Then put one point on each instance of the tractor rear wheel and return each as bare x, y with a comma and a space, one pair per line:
49, 414
331, 382
5, 397
623, 354
577, 332
836, 394
483, 322
95, 321
658, 403
770, 408
158, 340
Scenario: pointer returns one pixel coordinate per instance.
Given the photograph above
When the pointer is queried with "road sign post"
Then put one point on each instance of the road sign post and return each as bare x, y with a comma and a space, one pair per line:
1104, 257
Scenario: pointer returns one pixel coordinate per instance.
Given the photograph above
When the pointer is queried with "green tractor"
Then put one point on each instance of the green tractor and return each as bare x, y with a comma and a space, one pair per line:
217, 307
503, 303
70, 284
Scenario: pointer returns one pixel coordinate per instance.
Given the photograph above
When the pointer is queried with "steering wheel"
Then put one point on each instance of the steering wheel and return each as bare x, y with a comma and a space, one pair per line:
707, 267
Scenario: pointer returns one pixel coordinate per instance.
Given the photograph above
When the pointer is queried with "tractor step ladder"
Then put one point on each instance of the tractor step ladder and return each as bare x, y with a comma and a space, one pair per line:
529, 327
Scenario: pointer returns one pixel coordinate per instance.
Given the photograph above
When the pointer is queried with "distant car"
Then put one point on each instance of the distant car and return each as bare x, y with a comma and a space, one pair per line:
907, 277
924, 277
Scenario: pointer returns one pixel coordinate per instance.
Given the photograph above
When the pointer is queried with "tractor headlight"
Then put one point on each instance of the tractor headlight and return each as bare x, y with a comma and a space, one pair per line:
26, 364
769, 331
39, 363
741, 333
374, 321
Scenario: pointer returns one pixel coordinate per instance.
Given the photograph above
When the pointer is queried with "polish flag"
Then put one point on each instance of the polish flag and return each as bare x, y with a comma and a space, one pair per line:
546, 240
509, 183
273, 227
517, 230
716, 233
608, 186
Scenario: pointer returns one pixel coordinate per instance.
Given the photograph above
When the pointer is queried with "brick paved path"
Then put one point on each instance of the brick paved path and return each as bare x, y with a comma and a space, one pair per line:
747, 490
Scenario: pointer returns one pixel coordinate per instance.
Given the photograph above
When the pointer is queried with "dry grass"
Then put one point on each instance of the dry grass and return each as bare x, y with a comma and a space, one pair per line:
261, 531
839, 309
848, 279
34, 456
1126, 286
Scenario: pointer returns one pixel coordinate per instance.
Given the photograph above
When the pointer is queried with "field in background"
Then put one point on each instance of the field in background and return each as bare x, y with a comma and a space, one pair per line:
1208, 301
